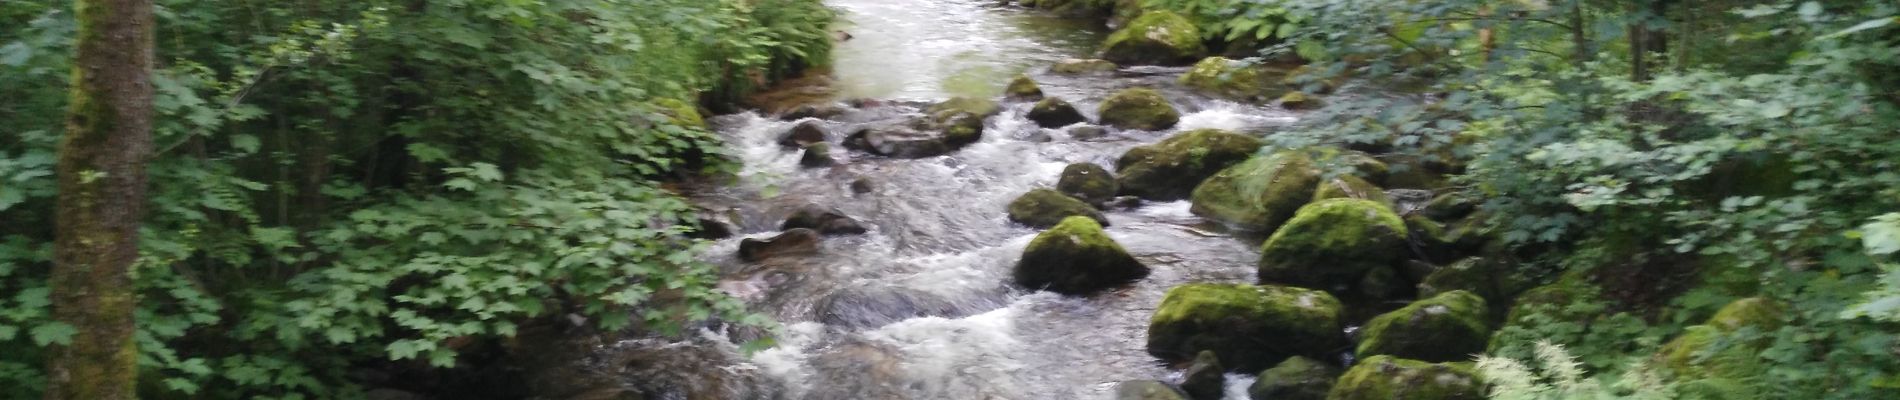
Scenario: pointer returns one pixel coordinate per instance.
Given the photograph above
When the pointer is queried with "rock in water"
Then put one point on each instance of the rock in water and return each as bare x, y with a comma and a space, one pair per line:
1076, 258
1297, 378
1250, 327
824, 220
898, 142
1087, 182
1083, 66
817, 155
1170, 170
1445, 328
1155, 38
1388, 378
1086, 132
1260, 194
1233, 79
1300, 101
1055, 113
1332, 243
792, 242
1205, 380
1147, 390
1023, 89
1043, 208
1139, 109
819, 111
804, 133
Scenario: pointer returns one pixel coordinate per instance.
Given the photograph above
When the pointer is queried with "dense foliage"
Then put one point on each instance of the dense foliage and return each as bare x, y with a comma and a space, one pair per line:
343, 182
1672, 156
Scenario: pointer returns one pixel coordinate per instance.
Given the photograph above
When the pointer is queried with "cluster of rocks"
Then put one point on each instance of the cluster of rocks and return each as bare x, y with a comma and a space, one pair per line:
800, 234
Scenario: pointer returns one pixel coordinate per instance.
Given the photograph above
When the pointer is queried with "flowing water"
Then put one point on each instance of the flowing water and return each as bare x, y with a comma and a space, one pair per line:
921, 306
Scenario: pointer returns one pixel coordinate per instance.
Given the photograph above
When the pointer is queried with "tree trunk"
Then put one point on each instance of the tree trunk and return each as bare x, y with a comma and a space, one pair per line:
101, 175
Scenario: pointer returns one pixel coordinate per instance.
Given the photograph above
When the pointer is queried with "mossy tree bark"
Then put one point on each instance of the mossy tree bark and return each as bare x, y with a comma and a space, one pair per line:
101, 173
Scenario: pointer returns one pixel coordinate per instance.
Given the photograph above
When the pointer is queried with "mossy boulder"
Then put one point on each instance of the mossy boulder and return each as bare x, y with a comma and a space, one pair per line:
1054, 113
1443, 328
1708, 351
1139, 109
981, 108
1083, 66
1043, 208
1087, 182
1350, 187
1170, 170
1300, 101
1023, 89
1490, 278
1297, 378
1233, 79
1391, 378
1147, 390
1258, 194
1076, 258
962, 130
1250, 327
1756, 312
1449, 207
680, 112
817, 155
1155, 38
1332, 243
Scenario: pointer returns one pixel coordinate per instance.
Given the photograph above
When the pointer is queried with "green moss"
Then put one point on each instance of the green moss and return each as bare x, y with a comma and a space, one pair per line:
1139, 109
1300, 101
1446, 327
1757, 312
1157, 38
1485, 277
1083, 66
1232, 319
1023, 88
1042, 208
1087, 182
1297, 378
1704, 352
1259, 194
981, 108
1332, 243
681, 112
1054, 113
1170, 170
1233, 79
1076, 257
1389, 378
1350, 187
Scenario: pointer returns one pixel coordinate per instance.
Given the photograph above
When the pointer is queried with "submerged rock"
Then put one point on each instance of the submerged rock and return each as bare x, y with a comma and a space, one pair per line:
1251, 327
1389, 378
1205, 379
1155, 38
1087, 182
1297, 378
1171, 169
1259, 194
1147, 390
819, 111
1444, 328
824, 220
817, 155
790, 243
1023, 89
1043, 208
804, 133
1332, 243
1139, 109
1086, 132
1055, 113
1076, 258
1233, 79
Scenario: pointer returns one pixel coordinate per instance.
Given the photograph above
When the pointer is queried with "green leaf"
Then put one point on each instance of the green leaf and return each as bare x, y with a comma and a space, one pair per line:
245, 143
53, 332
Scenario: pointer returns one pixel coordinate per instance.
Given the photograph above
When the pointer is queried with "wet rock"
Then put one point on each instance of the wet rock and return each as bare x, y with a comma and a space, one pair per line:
856, 369
1331, 244
1205, 379
1055, 113
1076, 258
898, 142
1231, 320
1444, 328
817, 155
981, 108
1023, 89
1147, 390
1086, 132
1450, 207
1087, 182
824, 220
1387, 378
1300, 101
1038, 136
1234, 79
804, 133
711, 229
1123, 203
1260, 194
792, 242
861, 186
1297, 378
1350, 187
1155, 38
962, 130
1139, 109
1043, 208
1083, 66
819, 111
870, 307
1365, 166
1171, 169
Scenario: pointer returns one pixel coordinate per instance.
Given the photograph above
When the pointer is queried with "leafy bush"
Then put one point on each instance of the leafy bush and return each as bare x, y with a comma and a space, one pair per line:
1234, 20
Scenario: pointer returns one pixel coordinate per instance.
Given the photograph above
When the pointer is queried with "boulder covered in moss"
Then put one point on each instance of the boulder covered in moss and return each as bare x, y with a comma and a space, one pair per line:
1171, 169
1055, 113
1147, 390
1259, 194
1043, 208
1710, 351
1350, 187
1140, 109
961, 130
1332, 243
1250, 327
1023, 89
1083, 66
1490, 278
1391, 378
981, 108
1155, 38
1087, 182
1444, 328
1076, 258
1297, 378
1233, 79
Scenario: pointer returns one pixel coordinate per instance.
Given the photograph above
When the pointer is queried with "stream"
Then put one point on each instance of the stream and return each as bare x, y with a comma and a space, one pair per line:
921, 306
